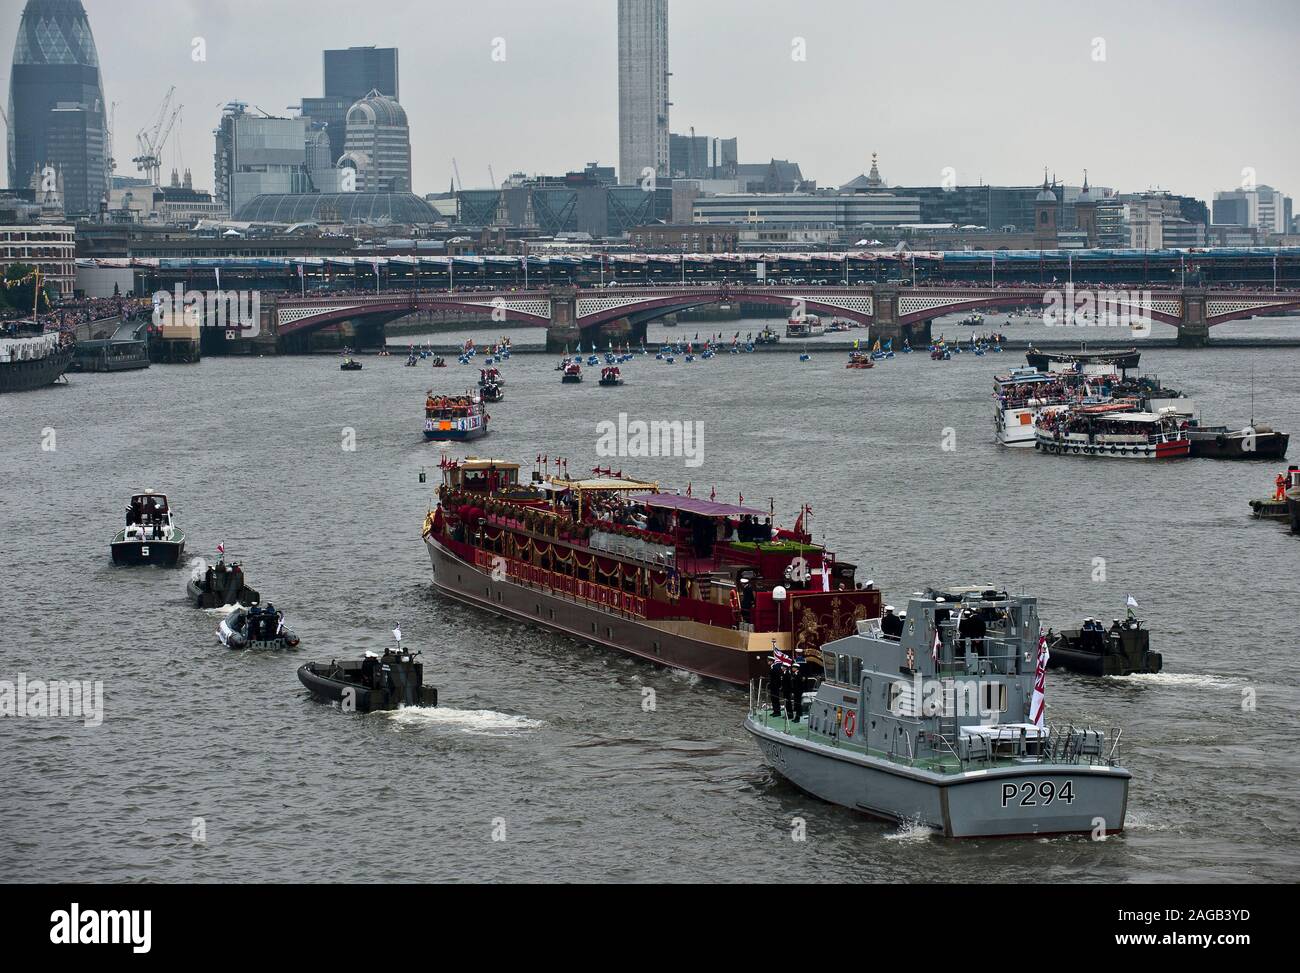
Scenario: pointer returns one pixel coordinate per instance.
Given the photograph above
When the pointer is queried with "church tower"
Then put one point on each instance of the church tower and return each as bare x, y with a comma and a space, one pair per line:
1046, 206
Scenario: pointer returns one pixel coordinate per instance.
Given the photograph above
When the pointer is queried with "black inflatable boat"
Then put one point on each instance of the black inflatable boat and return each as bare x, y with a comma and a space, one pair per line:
219, 585
1094, 650
371, 683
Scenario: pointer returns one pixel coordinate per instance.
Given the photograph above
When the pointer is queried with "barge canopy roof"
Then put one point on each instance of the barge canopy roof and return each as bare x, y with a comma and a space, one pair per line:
694, 505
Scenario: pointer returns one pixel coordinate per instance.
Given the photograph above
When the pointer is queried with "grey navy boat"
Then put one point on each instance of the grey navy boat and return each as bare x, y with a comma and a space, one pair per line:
947, 743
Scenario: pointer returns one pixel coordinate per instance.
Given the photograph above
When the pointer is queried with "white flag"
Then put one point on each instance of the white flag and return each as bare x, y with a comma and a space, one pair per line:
397, 632
1132, 602
1038, 704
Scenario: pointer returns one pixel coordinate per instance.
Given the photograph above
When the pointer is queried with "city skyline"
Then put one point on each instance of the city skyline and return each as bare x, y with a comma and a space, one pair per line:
512, 100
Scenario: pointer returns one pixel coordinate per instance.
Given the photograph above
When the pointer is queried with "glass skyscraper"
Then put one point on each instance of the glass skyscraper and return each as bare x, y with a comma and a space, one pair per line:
56, 104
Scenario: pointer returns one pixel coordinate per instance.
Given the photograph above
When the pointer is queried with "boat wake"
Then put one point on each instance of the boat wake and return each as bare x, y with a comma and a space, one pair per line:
1178, 679
911, 831
477, 722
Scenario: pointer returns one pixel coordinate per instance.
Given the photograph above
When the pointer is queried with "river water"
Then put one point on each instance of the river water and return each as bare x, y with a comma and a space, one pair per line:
544, 743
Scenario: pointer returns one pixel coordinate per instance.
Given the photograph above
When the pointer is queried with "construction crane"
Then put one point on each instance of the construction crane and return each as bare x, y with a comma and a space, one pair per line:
456, 169
151, 141
111, 163
492, 176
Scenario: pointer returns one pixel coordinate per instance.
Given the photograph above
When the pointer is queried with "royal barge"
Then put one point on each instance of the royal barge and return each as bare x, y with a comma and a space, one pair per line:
694, 584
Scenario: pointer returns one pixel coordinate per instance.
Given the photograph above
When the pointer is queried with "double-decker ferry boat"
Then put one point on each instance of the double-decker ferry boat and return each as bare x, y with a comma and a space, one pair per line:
695, 584
804, 326
939, 718
1113, 429
456, 418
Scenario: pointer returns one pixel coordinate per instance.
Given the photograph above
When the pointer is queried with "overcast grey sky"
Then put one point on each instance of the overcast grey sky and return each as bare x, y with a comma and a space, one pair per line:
1189, 93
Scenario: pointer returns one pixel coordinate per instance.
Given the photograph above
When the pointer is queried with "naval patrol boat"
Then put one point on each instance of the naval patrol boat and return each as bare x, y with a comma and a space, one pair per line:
932, 723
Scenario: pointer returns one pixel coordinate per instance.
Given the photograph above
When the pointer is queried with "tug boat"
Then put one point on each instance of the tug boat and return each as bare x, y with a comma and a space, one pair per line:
1094, 650
256, 628
572, 372
860, 359
349, 365
1256, 441
373, 682
219, 585
150, 536
766, 337
918, 721
455, 418
610, 375
1274, 507
1112, 429
694, 584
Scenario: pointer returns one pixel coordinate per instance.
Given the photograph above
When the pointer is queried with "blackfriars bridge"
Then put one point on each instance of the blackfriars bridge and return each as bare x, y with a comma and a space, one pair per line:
573, 315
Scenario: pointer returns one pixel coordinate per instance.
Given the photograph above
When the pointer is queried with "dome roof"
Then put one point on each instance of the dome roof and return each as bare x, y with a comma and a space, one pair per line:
377, 109
337, 207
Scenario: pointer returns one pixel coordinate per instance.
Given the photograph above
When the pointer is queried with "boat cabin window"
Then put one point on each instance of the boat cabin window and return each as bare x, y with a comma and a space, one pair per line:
856, 672
842, 671
828, 661
993, 697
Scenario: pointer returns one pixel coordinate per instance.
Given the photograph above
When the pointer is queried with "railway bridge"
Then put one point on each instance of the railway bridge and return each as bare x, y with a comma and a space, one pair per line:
592, 315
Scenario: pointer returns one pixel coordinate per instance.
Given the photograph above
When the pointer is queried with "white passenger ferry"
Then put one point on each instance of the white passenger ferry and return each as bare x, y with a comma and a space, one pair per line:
1112, 430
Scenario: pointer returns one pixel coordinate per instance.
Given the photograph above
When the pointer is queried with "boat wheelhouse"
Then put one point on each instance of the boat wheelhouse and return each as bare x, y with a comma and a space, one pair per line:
690, 583
1112, 430
932, 717
454, 418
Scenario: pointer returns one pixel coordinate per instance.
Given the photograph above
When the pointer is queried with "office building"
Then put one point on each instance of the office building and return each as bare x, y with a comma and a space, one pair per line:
643, 143
56, 105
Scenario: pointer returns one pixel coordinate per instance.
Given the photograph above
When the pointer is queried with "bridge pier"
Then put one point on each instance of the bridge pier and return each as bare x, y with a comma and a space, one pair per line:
563, 330
1194, 331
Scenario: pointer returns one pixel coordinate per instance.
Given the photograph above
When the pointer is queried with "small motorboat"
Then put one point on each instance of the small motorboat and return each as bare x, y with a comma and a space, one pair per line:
1095, 650
491, 391
412, 360
610, 375
860, 359
572, 372
439, 362
371, 683
150, 536
349, 365
221, 584
256, 628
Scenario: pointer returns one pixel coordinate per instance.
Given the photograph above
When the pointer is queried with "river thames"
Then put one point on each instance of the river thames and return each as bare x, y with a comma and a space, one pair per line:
543, 742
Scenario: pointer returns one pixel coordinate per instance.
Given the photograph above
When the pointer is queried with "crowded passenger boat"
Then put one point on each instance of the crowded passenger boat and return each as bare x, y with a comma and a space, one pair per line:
454, 417
703, 585
804, 326
1112, 429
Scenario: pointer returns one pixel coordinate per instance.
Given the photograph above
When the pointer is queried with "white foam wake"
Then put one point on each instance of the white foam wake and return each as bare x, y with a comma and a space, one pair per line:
479, 722
1179, 680
911, 831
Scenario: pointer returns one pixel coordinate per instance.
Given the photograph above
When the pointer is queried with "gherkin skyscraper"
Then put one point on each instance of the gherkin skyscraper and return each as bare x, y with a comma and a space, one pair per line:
56, 104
